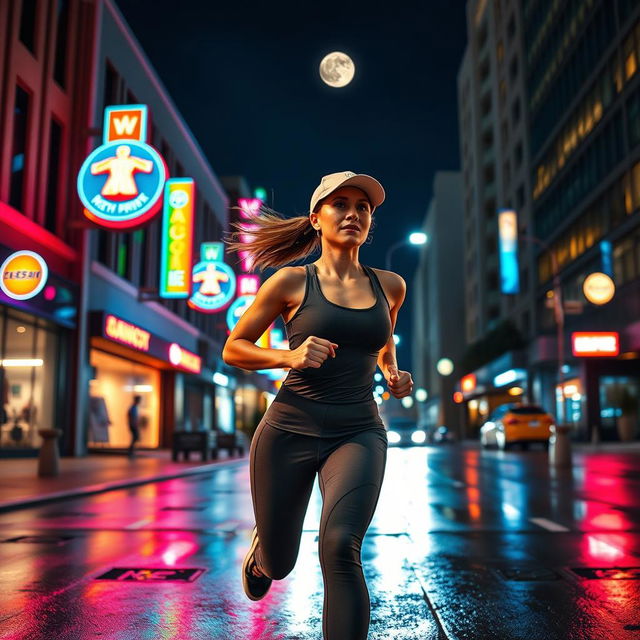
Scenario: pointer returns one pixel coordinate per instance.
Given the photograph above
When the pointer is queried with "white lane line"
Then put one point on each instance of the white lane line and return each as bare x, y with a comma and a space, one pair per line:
139, 524
548, 524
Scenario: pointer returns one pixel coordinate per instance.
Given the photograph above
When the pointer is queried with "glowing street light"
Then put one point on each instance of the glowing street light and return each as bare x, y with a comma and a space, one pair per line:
445, 367
396, 339
416, 238
421, 394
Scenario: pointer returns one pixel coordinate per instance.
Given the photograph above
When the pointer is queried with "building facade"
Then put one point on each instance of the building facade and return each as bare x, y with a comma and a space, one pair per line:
100, 333
584, 99
567, 166
438, 312
494, 152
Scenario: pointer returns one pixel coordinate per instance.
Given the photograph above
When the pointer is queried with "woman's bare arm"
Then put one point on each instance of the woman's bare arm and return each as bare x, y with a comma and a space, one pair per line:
397, 288
271, 300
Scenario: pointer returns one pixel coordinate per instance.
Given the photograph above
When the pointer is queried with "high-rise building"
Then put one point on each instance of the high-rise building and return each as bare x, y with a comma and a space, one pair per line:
549, 101
494, 151
438, 309
584, 119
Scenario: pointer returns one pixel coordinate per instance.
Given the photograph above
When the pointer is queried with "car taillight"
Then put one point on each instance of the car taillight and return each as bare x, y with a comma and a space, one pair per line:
510, 421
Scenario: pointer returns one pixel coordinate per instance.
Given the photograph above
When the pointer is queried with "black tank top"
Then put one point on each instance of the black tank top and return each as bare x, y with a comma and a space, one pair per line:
359, 334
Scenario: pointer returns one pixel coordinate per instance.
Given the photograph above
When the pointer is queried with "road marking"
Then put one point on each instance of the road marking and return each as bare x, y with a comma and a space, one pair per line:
548, 524
139, 524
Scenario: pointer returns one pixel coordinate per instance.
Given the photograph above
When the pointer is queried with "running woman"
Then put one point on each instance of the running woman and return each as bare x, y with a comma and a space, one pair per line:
339, 317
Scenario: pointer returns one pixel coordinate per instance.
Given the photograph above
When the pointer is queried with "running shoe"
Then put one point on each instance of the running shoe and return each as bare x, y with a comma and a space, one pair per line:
255, 584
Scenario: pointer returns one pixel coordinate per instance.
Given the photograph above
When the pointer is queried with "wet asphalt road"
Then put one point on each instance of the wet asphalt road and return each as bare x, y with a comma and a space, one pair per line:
465, 544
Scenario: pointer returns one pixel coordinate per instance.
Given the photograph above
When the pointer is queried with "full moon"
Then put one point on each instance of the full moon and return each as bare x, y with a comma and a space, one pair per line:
337, 69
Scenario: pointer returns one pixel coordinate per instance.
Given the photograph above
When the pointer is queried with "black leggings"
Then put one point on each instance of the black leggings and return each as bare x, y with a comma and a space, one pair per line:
283, 467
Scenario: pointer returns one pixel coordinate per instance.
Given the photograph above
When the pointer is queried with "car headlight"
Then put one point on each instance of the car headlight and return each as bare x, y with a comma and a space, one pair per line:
418, 437
393, 437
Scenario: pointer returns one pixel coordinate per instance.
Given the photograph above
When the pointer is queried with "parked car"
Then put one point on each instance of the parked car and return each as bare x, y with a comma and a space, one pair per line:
514, 423
403, 432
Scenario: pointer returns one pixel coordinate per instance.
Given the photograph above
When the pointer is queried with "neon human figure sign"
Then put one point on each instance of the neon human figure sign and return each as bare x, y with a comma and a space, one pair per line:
121, 182
214, 282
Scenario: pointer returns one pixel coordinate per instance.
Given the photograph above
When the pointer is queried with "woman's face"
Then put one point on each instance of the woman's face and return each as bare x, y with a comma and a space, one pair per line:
345, 207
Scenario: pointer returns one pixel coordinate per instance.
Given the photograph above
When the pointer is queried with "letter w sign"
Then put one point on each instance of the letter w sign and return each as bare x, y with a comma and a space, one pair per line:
125, 122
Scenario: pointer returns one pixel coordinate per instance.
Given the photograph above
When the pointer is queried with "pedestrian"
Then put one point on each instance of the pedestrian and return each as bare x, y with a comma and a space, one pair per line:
134, 423
339, 316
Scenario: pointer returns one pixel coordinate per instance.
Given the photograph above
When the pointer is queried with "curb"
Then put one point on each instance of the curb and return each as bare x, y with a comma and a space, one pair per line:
79, 492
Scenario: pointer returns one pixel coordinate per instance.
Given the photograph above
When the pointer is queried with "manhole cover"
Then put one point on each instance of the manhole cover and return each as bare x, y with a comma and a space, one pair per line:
608, 573
41, 539
528, 574
125, 574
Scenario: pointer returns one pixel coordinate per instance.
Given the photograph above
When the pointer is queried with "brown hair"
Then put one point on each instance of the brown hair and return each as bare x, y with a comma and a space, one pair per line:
276, 240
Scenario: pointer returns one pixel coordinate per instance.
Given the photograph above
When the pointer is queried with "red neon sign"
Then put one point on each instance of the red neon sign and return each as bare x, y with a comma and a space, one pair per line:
595, 343
183, 359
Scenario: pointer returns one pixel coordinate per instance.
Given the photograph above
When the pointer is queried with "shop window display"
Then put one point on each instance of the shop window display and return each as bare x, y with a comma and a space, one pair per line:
29, 352
114, 385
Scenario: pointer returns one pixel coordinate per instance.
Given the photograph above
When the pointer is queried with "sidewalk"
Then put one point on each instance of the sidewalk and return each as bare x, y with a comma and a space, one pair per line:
21, 487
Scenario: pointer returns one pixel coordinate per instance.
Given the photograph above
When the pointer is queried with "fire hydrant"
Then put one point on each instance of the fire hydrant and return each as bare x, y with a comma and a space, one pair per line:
560, 446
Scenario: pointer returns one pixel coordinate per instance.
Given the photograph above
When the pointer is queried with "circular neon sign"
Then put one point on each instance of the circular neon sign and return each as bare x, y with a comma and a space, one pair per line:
23, 275
598, 288
121, 184
214, 284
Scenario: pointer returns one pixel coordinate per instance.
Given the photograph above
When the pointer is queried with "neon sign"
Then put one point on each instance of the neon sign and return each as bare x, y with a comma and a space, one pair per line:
125, 122
120, 184
508, 242
177, 238
182, 359
214, 282
595, 343
126, 333
23, 275
598, 288
249, 208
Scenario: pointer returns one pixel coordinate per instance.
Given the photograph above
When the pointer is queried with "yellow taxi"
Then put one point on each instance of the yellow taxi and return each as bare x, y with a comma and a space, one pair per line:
516, 423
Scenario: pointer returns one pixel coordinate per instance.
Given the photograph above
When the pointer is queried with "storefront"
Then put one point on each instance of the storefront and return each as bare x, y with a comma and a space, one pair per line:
128, 361
502, 381
36, 343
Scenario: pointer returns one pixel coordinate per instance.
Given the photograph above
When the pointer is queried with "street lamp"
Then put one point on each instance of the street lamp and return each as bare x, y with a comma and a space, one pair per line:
415, 238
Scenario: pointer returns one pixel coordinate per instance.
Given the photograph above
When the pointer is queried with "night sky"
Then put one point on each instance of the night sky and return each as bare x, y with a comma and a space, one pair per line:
245, 78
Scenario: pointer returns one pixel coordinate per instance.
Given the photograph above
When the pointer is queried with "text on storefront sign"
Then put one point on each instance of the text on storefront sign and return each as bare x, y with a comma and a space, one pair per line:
128, 334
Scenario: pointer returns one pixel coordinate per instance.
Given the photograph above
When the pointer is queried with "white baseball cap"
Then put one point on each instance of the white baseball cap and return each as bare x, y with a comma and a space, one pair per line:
333, 181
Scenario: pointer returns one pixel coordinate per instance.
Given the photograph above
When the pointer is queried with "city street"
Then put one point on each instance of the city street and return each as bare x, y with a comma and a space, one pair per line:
465, 544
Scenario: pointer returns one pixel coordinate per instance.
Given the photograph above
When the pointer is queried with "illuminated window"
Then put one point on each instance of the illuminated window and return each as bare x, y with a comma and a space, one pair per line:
28, 378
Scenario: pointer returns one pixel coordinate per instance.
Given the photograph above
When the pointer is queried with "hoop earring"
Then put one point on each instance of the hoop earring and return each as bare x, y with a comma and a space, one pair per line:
369, 239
